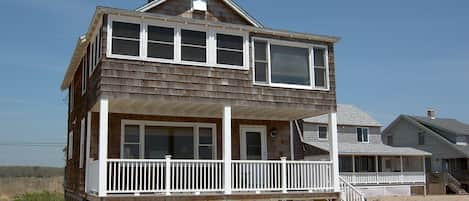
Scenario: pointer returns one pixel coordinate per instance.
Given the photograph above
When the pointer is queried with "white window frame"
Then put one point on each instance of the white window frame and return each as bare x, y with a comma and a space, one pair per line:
308, 46
242, 135
70, 146
82, 142
193, 125
71, 97
84, 76
211, 43
327, 133
367, 133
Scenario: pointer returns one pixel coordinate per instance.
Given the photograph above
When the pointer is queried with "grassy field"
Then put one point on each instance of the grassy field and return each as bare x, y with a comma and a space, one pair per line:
31, 184
422, 198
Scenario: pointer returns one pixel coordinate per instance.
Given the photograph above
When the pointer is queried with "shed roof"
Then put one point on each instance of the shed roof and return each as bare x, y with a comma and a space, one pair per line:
347, 115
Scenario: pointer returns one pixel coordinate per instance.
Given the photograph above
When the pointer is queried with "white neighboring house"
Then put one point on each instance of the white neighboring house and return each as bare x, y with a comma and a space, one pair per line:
364, 161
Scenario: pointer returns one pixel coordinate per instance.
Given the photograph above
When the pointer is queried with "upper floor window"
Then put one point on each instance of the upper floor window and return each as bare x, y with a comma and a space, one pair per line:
125, 38
362, 135
230, 50
70, 145
193, 46
143, 39
390, 140
322, 132
160, 42
290, 64
421, 139
71, 97
84, 73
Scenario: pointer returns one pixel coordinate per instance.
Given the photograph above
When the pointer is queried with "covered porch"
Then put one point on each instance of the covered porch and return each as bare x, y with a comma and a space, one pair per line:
168, 149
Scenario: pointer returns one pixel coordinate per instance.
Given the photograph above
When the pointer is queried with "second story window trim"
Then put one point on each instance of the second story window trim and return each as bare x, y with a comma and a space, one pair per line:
299, 47
363, 135
177, 44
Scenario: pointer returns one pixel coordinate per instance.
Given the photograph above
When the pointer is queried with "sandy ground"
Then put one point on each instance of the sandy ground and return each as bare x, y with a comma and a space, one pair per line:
422, 198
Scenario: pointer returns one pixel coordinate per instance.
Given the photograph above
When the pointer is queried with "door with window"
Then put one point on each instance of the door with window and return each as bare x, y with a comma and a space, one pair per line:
253, 143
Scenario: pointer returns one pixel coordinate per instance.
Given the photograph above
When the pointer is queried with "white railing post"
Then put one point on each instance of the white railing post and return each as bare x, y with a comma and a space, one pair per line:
168, 175
334, 151
284, 174
227, 149
103, 140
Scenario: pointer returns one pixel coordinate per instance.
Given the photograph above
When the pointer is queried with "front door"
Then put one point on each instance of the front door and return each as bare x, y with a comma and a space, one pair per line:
253, 142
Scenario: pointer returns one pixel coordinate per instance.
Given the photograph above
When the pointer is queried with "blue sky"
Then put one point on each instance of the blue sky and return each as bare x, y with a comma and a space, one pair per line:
395, 57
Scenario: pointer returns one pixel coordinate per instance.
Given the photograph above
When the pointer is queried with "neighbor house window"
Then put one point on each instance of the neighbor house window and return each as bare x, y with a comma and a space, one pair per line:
322, 132
156, 140
289, 64
362, 134
345, 164
125, 38
390, 142
230, 50
320, 71
160, 42
193, 46
70, 145
421, 139
261, 63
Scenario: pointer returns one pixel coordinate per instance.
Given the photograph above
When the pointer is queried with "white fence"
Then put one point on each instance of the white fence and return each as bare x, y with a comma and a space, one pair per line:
383, 177
197, 176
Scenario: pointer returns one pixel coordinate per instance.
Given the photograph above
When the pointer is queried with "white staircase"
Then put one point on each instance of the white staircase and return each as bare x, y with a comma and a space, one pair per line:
349, 192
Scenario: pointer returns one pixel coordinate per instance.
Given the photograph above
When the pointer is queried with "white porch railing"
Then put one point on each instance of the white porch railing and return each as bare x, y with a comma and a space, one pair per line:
92, 174
383, 177
168, 176
349, 192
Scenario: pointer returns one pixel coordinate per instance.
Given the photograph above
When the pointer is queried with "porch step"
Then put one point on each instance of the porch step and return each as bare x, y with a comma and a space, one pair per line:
457, 189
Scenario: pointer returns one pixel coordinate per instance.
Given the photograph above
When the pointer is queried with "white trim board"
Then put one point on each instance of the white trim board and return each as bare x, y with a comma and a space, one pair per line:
230, 3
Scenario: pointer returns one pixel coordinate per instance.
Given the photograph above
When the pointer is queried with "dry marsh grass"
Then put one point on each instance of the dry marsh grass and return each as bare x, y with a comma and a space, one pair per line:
15, 186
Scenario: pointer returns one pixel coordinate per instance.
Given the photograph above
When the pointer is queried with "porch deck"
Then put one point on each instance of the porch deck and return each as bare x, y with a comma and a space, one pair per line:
373, 178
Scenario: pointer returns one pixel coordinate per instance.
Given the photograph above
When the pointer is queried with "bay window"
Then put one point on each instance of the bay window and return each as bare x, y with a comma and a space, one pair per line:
125, 38
193, 46
290, 64
155, 140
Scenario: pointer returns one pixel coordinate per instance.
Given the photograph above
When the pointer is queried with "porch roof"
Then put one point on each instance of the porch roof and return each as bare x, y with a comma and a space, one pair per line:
371, 149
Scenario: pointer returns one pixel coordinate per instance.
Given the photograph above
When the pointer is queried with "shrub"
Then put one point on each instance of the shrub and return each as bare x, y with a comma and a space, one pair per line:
44, 196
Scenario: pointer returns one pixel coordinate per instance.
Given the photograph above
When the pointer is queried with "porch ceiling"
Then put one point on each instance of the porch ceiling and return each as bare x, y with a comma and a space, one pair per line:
163, 108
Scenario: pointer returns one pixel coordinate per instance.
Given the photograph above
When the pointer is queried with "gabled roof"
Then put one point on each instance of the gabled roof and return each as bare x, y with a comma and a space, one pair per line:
233, 5
371, 149
347, 115
428, 126
449, 125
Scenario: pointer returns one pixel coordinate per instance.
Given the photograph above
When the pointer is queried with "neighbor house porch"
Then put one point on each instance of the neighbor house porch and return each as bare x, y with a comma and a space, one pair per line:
155, 149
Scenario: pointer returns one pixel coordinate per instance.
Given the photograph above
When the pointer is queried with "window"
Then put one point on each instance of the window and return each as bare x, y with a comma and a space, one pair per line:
320, 71
362, 134
160, 42
82, 142
206, 148
421, 139
155, 140
261, 63
84, 75
390, 142
193, 46
322, 132
71, 97
365, 164
345, 164
131, 147
125, 38
289, 64
94, 53
70, 145
230, 50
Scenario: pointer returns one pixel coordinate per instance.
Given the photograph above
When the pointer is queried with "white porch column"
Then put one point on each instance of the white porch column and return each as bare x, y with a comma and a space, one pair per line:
424, 177
227, 149
402, 169
334, 151
88, 148
103, 139
377, 171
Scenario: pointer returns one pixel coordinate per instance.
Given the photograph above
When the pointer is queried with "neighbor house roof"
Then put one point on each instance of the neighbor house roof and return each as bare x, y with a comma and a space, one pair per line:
101, 11
371, 149
232, 4
347, 115
439, 127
